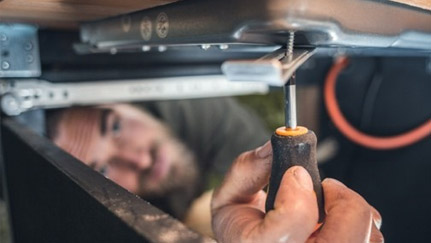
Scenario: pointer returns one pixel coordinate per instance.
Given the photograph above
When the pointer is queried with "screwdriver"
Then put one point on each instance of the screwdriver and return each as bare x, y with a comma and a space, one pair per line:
293, 145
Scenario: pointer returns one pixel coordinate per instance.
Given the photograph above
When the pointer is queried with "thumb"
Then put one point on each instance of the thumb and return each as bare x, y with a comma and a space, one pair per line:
295, 211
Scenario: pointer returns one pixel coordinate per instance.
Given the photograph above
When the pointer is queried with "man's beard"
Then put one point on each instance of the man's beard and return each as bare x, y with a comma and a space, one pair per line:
177, 190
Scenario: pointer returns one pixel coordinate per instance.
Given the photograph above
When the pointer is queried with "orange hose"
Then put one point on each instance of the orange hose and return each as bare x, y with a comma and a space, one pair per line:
373, 142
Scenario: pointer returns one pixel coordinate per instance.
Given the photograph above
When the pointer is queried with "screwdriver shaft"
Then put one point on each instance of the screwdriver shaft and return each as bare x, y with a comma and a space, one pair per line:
290, 88
290, 103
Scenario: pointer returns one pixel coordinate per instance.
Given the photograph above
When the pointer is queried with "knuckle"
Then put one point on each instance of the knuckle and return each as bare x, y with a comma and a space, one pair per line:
215, 204
301, 207
241, 161
377, 237
348, 201
359, 207
376, 213
347, 196
244, 165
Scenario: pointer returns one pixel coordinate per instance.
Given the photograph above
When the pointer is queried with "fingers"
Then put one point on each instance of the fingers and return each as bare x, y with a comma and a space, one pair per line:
348, 216
246, 178
376, 217
293, 219
376, 235
236, 223
235, 204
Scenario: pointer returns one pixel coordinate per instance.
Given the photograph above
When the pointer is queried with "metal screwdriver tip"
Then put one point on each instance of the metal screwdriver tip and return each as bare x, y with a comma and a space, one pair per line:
290, 103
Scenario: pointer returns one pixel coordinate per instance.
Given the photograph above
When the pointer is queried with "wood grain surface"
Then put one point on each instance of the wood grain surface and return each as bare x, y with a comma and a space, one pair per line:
68, 13
425, 4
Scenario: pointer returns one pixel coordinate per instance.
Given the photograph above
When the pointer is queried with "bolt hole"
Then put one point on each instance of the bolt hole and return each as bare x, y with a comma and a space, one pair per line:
5, 54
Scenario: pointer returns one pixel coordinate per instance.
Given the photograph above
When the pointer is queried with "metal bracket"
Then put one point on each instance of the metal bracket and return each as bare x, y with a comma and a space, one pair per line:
19, 51
274, 69
317, 23
22, 95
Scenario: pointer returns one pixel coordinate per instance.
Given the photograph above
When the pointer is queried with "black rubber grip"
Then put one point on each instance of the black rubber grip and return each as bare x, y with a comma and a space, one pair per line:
289, 151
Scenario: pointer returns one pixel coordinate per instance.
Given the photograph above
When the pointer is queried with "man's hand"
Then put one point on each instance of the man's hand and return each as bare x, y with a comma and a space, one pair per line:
238, 207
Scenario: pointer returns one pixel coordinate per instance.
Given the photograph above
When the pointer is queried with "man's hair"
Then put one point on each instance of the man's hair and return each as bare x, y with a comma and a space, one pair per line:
52, 121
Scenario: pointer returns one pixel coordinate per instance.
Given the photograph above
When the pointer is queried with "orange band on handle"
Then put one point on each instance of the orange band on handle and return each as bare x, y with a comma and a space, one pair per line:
289, 132
318, 227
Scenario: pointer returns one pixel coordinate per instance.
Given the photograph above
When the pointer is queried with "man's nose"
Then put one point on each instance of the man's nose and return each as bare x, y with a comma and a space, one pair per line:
139, 158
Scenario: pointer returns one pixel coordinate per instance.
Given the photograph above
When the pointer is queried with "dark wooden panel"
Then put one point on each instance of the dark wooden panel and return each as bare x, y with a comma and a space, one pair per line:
425, 4
56, 198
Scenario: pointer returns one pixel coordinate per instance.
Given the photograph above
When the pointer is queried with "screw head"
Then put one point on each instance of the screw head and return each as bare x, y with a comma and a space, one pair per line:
205, 46
5, 65
28, 46
146, 48
11, 105
162, 48
113, 51
223, 46
3, 37
29, 59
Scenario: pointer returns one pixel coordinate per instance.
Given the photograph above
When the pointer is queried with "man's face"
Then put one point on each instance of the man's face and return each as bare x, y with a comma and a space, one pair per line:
129, 147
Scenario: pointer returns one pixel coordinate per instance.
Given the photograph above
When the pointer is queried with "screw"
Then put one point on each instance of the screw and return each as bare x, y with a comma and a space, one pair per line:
3, 37
224, 47
11, 105
5, 65
113, 51
38, 93
29, 58
146, 48
290, 42
205, 46
162, 48
28, 46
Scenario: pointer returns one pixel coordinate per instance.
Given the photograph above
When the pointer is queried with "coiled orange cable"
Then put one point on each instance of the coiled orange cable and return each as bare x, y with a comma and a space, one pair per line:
369, 141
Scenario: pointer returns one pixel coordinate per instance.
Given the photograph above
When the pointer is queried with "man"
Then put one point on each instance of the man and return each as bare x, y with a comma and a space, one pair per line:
145, 156
165, 152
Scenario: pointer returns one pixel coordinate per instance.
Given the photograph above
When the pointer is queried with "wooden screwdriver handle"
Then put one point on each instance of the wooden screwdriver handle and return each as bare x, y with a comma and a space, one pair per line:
289, 151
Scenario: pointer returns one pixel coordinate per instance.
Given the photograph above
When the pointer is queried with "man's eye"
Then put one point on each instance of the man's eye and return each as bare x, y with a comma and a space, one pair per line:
116, 127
